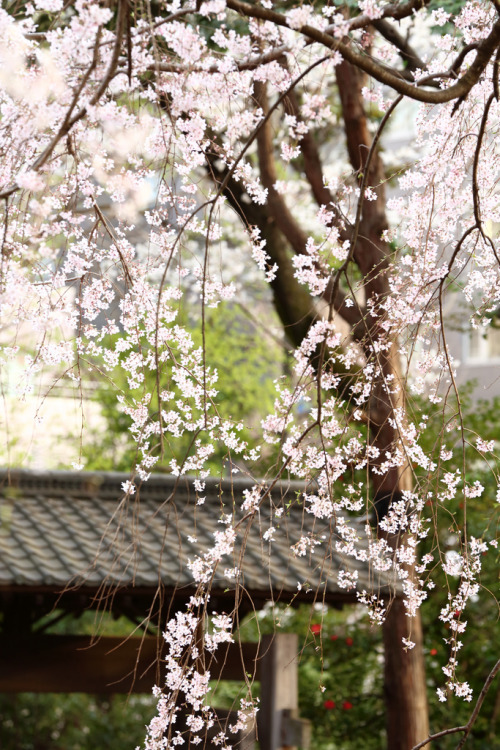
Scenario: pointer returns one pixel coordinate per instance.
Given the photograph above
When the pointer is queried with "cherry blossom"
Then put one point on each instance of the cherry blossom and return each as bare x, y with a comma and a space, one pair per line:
145, 157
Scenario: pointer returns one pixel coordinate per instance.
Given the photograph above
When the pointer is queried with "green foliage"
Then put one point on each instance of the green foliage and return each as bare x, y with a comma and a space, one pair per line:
340, 676
49, 721
340, 673
247, 361
450, 6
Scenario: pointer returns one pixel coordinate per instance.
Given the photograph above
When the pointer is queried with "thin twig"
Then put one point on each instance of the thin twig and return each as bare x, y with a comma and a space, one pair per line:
436, 736
466, 728
479, 703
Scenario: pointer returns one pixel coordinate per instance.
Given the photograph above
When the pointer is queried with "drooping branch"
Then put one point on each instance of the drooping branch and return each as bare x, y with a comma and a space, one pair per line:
276, 204
348, 309
381, 73
406, 51
353, 315
395, 11
292, 301
250, 64
369, 252
313, 171
465, 728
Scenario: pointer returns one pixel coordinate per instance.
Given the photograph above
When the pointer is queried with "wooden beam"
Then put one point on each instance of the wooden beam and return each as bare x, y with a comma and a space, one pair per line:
80, 664
74, 664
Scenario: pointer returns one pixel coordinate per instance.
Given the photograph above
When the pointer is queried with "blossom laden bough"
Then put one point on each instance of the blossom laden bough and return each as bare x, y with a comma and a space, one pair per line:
145, 157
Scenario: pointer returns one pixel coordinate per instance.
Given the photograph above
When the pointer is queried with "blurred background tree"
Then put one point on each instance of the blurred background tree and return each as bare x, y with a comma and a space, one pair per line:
248, 356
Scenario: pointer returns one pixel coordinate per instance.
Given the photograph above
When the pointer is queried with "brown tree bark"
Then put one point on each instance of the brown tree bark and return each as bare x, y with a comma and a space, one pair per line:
404, 680
404, 671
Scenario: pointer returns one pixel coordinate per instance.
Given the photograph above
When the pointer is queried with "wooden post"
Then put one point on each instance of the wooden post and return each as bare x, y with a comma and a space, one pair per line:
279, 688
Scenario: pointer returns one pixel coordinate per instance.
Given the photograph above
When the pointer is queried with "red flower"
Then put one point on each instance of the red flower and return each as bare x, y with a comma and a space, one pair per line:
347, 705
329, 704
349, 641
334, 637
457, 613
316, 628
433, 651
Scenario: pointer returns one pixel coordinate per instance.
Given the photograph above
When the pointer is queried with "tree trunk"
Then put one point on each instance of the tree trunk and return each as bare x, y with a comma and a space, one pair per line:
404, 680
404, 671
405, 687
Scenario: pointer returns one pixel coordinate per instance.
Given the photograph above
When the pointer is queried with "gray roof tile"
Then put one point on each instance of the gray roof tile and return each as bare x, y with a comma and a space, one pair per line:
62, 527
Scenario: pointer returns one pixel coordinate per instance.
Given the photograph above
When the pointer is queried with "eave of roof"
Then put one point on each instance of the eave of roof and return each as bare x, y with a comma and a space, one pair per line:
65, 529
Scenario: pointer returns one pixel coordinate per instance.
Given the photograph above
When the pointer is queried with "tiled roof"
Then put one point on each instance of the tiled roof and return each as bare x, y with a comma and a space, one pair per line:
58, 528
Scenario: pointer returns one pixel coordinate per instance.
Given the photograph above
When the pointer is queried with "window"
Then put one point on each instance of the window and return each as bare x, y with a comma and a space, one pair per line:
482, 345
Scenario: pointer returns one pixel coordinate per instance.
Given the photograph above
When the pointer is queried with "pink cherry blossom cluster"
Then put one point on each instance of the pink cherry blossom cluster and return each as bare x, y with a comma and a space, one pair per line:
128, 156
